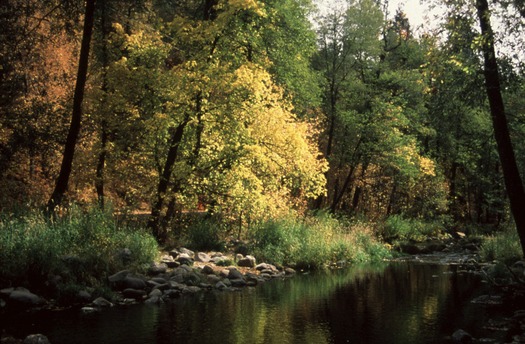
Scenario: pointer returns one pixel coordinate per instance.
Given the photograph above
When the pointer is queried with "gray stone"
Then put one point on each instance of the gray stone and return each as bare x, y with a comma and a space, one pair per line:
217, 255
207, 270
234, 274
102, 302
220, 285
154, 300
266, 266
155, 292
218, 260
36, 339
238, 257
157, 268
202, 257
88, 310
2, 303
136, 294
174, 253
289, 271
191, 290
185, 259
248, 261
213, 279
133, 283
6, 291
184, 250
461, 336
176, 285
119, 276
238, 282
24, 297
84, 295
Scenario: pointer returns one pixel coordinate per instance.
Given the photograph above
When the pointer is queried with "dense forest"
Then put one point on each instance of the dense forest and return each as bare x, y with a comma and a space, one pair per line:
247, 110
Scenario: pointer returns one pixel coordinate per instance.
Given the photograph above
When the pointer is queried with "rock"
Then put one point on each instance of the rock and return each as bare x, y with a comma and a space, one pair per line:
207, 270
289, 271
88, 310
2, 303
238, 282
218, 260
6, 291
191, 290
24, 297
174, 253
234, 274
238, 257
184, 250
84, 295
154, 300
220, 285
36, 339
266, 266
159, 280
461, 336
136, 294
155, 292
169, 261
202, 257
10, 340
213, 279
118, 277
185, 259
102, 302
248, 261
133, 283
157, 268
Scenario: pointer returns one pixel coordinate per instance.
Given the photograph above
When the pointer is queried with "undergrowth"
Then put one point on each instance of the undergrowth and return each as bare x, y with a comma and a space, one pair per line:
82, 247
316, 241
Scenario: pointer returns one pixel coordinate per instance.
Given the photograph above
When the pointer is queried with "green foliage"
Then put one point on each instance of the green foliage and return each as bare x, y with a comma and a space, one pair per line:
205, 234
316, 241
503, 246
398, 227
81, 247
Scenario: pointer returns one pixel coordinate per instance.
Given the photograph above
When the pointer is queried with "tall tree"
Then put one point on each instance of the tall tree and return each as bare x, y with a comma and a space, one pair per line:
513, 181
76, 116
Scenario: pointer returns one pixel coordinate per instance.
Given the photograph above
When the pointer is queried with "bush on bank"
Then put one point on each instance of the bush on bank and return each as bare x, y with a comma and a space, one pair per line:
315, 241
82, 247
503, 246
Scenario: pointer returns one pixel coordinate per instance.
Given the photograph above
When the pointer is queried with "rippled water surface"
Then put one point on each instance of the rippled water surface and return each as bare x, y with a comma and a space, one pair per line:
402, 302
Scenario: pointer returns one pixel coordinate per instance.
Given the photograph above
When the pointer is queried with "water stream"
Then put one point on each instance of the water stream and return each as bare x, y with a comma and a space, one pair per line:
400, 302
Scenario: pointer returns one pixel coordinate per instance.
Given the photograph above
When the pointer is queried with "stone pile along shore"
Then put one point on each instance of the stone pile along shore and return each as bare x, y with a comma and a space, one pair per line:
178, 272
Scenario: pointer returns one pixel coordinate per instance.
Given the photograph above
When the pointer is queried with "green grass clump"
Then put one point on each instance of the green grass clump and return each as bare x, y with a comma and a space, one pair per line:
316, 241
503, 246
399, 228
205, 234
82, 247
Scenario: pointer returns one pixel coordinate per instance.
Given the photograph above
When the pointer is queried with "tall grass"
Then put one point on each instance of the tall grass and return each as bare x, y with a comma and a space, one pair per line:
82, 247
316, 241
400, 228
503, 246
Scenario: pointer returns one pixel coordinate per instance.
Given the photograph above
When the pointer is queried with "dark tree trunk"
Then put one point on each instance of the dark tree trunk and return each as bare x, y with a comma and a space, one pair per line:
76, 117
176, 139
512, 178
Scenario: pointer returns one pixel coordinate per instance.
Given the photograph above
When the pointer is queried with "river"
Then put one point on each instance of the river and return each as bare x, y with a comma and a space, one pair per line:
400, 302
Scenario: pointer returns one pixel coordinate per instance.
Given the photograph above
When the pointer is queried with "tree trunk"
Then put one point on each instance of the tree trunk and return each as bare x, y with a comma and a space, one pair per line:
511, 176
76, 117
176, 139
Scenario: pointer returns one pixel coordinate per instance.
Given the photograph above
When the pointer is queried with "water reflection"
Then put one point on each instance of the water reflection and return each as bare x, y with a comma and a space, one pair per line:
396, 303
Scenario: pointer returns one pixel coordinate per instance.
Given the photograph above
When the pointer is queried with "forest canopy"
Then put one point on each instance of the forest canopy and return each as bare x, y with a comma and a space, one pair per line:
248, 110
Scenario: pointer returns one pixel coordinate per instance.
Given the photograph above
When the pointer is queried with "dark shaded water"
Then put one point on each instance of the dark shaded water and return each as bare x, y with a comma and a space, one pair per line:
397, 303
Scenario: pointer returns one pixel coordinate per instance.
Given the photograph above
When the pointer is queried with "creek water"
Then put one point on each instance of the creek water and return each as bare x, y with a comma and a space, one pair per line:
399, 302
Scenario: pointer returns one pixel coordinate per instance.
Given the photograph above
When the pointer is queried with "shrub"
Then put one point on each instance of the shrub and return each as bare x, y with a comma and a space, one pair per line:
397, 227
83, 247
504, 246
315, 241
205, 234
